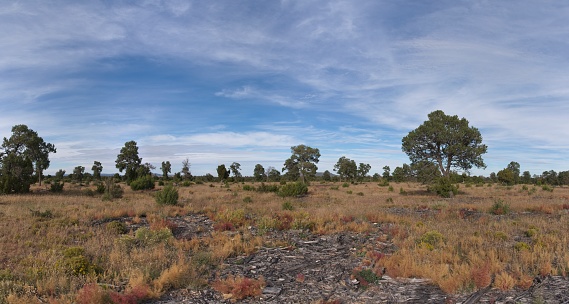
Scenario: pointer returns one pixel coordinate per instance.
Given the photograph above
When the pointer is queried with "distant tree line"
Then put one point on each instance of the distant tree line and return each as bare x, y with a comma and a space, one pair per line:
438, 148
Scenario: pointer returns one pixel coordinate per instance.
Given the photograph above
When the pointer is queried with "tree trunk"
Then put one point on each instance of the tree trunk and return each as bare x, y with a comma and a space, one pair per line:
38, 172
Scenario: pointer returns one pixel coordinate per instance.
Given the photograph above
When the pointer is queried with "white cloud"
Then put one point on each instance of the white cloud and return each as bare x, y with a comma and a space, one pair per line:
375, 64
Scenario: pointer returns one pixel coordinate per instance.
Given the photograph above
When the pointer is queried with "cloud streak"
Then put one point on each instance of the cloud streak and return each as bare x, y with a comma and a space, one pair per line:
342, 76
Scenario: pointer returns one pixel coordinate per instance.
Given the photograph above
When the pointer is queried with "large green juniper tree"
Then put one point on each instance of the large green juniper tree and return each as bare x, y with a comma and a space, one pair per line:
24, 148
302, 162
129, 161
446, 141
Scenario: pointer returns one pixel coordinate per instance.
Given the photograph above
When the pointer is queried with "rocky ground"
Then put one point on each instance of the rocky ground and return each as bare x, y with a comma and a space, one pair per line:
320, 269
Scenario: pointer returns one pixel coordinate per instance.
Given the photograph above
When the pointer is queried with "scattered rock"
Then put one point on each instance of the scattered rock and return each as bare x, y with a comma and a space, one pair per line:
316, 268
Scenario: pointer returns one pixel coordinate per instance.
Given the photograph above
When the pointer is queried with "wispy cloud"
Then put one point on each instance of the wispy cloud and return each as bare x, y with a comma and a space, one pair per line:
343, 76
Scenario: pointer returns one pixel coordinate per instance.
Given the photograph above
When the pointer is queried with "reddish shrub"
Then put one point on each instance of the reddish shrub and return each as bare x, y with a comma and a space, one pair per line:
223, 226
240, 287
481, 276
284, 221
92, 294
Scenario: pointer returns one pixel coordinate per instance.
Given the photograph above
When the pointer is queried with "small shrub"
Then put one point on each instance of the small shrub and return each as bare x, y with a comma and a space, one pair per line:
531, 232
247, 199
547, 188
389, 200
56, 187
223, 226
117, 227
248, 188
504, 281
288, 206
89, 192
520, 246
334, 188
267, 188
500, 208
167, 196
150, 237
42, 214
390, 189
77, 263
366, 277
401, 191
481, 276
500, 235
293, 189
345, 185
431, 239
93, 293
360, 193
112, 190
383, 183
444, 187
100, 188
186, 183
239, 288
349, 192
142, 183
160, 183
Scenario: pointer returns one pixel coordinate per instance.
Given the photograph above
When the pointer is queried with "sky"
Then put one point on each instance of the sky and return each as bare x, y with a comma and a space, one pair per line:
243, 81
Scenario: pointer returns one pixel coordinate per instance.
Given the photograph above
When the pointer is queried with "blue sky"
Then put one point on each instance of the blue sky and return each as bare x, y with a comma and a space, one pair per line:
224, 81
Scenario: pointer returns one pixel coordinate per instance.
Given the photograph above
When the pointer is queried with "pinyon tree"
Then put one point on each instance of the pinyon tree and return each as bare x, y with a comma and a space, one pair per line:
302, 162
446, 141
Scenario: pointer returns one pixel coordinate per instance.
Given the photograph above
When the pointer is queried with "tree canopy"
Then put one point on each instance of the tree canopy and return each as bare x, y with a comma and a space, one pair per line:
166, 168
27, 143
21, 153
446, 141
97, 169
129, 161
346, 168
302, 162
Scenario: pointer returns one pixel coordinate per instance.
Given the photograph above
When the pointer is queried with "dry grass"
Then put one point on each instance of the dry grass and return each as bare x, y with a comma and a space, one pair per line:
475, 245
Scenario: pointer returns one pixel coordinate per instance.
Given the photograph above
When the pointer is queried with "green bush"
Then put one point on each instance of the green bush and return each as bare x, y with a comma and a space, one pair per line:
288, 206
77, 263
431, 239
267, 188
248, 188
56, 187
117, 227
100, 188
89, 192
167, 196
148, 237
293, 189
112, 190
142, 183
499, 207
444, 187
186, 183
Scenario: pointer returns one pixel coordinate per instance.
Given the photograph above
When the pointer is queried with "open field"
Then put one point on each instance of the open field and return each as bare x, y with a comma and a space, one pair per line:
76, 248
